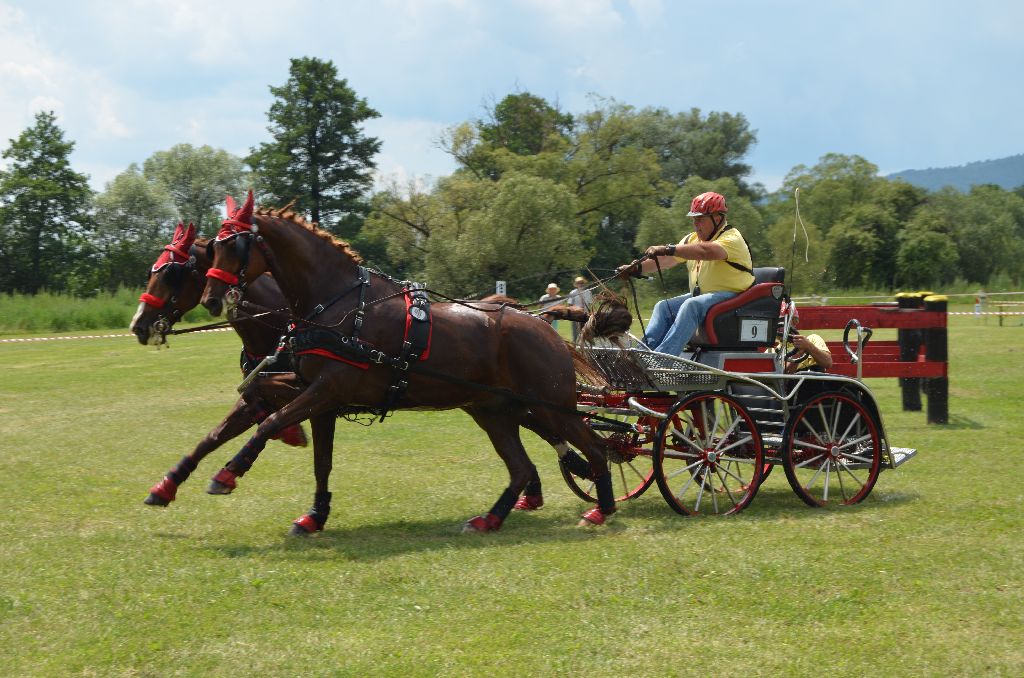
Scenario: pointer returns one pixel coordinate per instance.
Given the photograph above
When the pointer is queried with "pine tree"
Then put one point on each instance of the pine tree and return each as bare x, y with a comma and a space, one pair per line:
320, 155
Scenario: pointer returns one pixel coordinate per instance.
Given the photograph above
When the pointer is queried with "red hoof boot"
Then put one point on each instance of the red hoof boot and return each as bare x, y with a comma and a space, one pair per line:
162, 493
293, 435
306, 525
488, 523
593, 517
529, 502
223, 482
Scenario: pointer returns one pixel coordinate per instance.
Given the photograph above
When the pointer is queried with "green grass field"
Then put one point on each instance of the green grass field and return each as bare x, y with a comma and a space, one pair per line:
923, 578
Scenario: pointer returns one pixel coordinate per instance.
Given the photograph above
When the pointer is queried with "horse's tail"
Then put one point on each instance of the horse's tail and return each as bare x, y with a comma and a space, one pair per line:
586, 373
610, 319
563, 312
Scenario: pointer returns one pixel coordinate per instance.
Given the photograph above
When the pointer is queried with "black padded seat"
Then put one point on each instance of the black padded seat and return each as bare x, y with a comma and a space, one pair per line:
750, 320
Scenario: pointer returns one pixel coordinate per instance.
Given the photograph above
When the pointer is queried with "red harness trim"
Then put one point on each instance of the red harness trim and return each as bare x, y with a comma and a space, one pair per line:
408, 324
221, 274
150, 300
324, 353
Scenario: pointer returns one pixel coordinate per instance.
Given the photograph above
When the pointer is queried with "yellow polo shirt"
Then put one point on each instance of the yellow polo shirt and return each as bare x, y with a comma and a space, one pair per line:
716, 275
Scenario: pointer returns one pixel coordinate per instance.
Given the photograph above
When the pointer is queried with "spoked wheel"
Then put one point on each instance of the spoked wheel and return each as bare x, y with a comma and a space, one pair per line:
832, 450
629, 450
708, 456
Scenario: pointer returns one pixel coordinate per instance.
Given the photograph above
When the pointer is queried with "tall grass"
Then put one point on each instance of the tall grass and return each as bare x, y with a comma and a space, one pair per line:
50, 312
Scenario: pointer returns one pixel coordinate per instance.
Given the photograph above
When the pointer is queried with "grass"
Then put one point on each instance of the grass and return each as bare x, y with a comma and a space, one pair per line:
923, 578
49, 312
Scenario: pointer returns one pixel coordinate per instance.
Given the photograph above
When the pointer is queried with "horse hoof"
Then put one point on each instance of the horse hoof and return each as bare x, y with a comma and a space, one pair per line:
162, 493
218, 488
222, 483
305, 526
594, 517
529, 502
481, 524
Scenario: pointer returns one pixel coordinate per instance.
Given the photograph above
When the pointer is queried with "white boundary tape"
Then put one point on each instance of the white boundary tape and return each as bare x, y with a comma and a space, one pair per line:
89, 336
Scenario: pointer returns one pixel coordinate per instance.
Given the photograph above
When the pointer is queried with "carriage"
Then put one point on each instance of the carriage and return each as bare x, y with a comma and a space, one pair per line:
710, 425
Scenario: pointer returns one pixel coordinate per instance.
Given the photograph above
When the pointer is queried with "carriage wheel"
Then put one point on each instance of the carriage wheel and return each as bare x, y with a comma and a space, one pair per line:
629, 459
708, 456
832, 452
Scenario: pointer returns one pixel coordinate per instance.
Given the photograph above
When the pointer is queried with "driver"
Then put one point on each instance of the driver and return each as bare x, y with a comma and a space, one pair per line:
720, 268
811, 350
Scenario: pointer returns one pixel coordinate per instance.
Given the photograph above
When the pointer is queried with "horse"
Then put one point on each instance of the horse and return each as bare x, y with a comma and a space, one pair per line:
175, 284
353, 347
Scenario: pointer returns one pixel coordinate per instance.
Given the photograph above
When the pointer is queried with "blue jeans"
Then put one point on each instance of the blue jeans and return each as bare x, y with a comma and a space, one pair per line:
674, 321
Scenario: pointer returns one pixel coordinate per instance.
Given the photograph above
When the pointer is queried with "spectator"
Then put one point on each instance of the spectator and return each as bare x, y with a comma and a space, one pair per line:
581, 298
551, 295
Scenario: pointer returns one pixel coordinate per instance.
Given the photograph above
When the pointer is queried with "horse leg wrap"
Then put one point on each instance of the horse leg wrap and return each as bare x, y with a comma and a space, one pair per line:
576, 465
504, 505
244, 460
605, 494
182, 471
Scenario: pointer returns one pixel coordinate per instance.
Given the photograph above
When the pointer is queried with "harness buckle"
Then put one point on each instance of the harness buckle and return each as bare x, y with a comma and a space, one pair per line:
318, 309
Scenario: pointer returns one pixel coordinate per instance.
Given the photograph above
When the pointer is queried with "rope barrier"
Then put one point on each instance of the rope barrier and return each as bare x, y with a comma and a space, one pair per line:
20, 340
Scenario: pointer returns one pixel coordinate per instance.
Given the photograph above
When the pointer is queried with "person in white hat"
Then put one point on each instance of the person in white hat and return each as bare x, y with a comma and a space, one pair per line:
581, 298
552, 295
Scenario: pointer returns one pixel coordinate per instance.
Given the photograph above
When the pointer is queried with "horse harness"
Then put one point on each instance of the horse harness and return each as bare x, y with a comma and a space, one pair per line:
326, 342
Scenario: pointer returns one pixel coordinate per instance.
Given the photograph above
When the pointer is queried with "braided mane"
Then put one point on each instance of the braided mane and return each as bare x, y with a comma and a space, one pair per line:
287, 214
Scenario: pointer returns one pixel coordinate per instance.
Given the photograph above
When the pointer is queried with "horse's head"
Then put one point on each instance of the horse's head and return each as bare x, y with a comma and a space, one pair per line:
175, 283
236, 257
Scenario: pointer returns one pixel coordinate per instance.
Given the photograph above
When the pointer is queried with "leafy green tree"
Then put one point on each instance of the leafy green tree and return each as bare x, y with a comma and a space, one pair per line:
927, 256
693, 144
527, 226
134, 219
320, 155
829, 189
197, 179
44, 208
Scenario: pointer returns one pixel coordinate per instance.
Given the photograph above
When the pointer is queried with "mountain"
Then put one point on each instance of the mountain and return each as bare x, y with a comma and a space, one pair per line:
1005, 172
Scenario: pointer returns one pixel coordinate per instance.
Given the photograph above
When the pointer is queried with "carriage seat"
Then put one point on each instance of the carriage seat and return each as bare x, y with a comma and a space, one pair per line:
750, 320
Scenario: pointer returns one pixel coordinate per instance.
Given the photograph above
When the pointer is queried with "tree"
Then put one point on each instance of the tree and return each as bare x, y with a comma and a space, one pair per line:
320, 156
134, 219
43, 210
927, 256
197, 180
691, 144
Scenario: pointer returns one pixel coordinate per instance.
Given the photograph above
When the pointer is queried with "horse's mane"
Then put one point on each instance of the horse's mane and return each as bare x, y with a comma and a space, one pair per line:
287, 214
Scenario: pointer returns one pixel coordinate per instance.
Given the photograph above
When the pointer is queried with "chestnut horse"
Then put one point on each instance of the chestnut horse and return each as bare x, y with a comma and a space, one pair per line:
175, 284
503, 368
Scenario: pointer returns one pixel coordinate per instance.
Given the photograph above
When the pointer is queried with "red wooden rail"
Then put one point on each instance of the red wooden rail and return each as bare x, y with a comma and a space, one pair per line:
920, 353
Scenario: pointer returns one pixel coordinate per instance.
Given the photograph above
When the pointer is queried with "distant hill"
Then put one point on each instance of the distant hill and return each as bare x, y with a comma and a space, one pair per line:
1005, 172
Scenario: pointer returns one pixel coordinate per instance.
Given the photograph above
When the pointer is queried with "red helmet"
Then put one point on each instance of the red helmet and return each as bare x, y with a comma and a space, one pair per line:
707, 203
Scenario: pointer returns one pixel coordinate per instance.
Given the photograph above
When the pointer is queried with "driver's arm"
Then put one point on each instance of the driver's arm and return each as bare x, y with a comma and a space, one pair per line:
816, 349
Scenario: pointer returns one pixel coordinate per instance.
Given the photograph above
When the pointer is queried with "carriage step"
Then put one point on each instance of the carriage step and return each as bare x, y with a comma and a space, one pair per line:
900, 455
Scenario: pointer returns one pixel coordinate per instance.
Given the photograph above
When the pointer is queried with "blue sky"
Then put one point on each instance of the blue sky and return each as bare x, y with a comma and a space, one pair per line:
907, 84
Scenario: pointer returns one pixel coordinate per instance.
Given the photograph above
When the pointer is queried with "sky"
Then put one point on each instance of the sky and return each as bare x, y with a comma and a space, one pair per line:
906, 84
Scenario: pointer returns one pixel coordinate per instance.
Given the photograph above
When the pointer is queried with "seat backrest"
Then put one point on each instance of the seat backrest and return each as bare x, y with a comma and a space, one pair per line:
765, 274
750, 320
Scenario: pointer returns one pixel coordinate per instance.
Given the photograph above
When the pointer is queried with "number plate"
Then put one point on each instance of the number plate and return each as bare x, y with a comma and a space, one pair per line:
754, 330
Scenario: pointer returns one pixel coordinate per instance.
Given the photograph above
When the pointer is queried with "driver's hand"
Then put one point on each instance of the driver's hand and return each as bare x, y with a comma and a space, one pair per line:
799, 341
628, 270
656, 251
